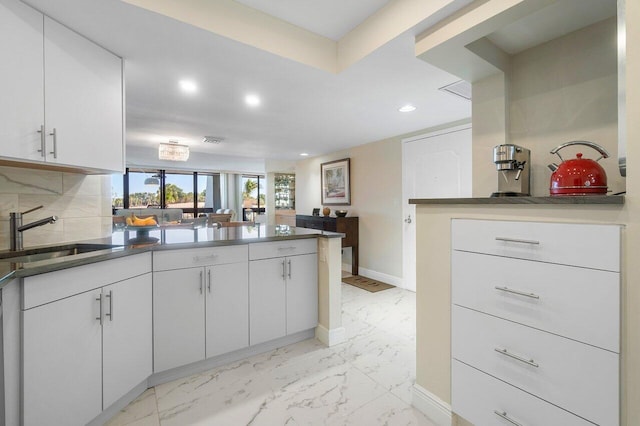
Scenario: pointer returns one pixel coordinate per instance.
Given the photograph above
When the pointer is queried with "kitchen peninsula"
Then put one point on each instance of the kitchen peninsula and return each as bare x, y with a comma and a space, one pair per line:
191, 300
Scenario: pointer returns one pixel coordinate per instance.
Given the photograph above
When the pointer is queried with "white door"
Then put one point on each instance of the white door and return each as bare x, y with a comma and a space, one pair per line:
83, 101
178, 318
302, 292
21, 81
267, 300
227, 308
127, 336
62, 361
434, 165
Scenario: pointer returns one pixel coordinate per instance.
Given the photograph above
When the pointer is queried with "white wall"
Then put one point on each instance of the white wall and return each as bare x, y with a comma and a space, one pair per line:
82, 204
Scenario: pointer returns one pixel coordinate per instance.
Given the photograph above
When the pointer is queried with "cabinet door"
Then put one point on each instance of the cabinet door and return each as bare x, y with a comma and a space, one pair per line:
267, 300
302, 292
127, 336
178, 317
227, 308
62, 361
21, 81
83, 101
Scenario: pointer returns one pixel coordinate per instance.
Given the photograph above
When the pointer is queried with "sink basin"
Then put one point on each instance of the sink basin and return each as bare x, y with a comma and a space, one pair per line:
46, 253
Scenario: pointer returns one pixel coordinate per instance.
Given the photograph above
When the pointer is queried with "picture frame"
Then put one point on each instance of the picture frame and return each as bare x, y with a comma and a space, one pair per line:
316, 212
335, 182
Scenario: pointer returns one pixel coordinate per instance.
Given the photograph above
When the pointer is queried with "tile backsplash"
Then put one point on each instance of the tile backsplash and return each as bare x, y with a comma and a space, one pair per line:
81, 202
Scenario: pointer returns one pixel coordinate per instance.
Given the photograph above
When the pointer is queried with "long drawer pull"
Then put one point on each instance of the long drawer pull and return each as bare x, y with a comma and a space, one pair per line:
201, 258
287, 248
504, 415
516, 357
516, 240
518, 292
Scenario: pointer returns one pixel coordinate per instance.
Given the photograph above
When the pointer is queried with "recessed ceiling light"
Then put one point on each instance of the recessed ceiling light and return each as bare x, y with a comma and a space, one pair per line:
252, 100
188, 86
407, 108
304, 154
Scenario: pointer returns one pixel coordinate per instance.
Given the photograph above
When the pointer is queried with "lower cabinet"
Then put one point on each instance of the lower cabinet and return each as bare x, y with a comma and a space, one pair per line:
199, 313
83, 352
283, 296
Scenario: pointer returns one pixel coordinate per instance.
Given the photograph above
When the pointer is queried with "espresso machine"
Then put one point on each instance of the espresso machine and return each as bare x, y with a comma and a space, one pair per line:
512, 163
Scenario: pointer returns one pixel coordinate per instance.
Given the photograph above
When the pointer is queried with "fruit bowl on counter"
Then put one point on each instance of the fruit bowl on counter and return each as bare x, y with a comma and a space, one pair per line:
340, 213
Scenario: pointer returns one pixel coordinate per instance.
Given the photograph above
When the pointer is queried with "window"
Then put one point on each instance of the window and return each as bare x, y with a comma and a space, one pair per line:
143, 189
253, 197
178, 193
117, 192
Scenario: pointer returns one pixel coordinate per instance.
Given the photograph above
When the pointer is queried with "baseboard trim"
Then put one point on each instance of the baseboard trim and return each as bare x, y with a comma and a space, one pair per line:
431, 406
331, 337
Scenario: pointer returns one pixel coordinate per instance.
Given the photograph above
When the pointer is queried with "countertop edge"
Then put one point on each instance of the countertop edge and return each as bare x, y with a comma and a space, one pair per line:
565, 200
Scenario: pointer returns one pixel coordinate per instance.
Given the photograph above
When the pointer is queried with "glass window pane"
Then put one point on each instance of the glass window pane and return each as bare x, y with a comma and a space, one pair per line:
117, 192
205, 191
178, 192
143, 195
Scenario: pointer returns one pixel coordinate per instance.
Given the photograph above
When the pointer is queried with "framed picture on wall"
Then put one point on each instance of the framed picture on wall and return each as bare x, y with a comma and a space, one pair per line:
336, 183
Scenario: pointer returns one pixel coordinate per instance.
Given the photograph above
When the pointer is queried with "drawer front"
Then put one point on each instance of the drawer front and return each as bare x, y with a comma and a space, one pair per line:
477, 396
576, 377
589, 246
188, 258
45, 288
282, 248
582, 304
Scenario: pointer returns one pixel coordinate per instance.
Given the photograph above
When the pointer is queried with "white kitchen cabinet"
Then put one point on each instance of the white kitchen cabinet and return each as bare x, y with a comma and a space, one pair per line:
21, 81
68, 107
201, 309
283, 290
62, 361
178, 317
126, 336
85, 343
535, 322
227, 308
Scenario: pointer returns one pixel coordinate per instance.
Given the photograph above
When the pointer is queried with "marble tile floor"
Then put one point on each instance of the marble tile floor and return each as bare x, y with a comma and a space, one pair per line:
365, 381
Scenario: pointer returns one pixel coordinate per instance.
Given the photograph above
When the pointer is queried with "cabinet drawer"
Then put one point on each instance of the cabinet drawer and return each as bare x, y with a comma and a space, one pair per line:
166, 260
590, 246
282, 248
45, 288
477, 396
574, 376
582, 304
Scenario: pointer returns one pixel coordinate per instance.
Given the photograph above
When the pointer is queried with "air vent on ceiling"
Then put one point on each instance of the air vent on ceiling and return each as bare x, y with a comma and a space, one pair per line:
212, 139
459, 88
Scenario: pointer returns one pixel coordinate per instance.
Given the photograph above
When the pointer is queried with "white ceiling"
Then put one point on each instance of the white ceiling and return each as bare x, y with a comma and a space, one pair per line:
303, 109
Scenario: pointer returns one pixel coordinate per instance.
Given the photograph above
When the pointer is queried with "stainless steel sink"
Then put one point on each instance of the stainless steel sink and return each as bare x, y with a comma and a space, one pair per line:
46, 253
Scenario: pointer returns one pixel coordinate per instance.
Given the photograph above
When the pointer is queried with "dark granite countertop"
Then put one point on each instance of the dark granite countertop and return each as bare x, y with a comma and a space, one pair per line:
566, 200
128, 242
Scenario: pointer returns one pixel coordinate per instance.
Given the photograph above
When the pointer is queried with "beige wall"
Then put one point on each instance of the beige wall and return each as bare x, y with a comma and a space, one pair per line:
433, 295
82, 203
376, 196
560, 91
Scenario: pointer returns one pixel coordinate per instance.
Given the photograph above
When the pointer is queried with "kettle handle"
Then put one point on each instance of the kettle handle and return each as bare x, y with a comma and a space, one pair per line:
603, 152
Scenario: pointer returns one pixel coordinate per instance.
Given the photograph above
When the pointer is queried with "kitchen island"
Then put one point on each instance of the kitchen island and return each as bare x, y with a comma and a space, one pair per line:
124, 318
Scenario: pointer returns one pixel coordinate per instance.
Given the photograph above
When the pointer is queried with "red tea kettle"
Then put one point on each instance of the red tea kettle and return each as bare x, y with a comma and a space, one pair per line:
578, 176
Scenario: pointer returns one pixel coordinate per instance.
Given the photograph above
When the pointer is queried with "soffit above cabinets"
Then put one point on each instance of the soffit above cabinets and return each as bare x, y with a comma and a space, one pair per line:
478, 41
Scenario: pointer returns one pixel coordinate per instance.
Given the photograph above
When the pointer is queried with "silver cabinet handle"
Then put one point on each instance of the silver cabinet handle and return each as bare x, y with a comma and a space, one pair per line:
201, 258
43, 142
504, 415
287, 248
99, 299
518, 292
516, 357
209, 283
289, 268
55, 143
516, 240
283, 269
201, 283
110, 296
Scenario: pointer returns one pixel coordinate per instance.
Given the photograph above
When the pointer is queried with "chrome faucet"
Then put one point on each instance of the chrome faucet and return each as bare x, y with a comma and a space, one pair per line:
16, 228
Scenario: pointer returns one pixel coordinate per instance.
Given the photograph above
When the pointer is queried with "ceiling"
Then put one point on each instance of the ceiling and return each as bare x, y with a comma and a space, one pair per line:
303, 109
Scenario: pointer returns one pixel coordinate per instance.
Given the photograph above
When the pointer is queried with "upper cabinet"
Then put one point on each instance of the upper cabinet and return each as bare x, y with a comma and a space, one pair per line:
63, 104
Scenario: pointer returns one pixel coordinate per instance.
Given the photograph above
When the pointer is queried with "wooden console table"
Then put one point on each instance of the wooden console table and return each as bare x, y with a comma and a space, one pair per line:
345, 225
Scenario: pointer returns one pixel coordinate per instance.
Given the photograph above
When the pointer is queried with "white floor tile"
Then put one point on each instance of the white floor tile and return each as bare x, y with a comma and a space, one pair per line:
367, 380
